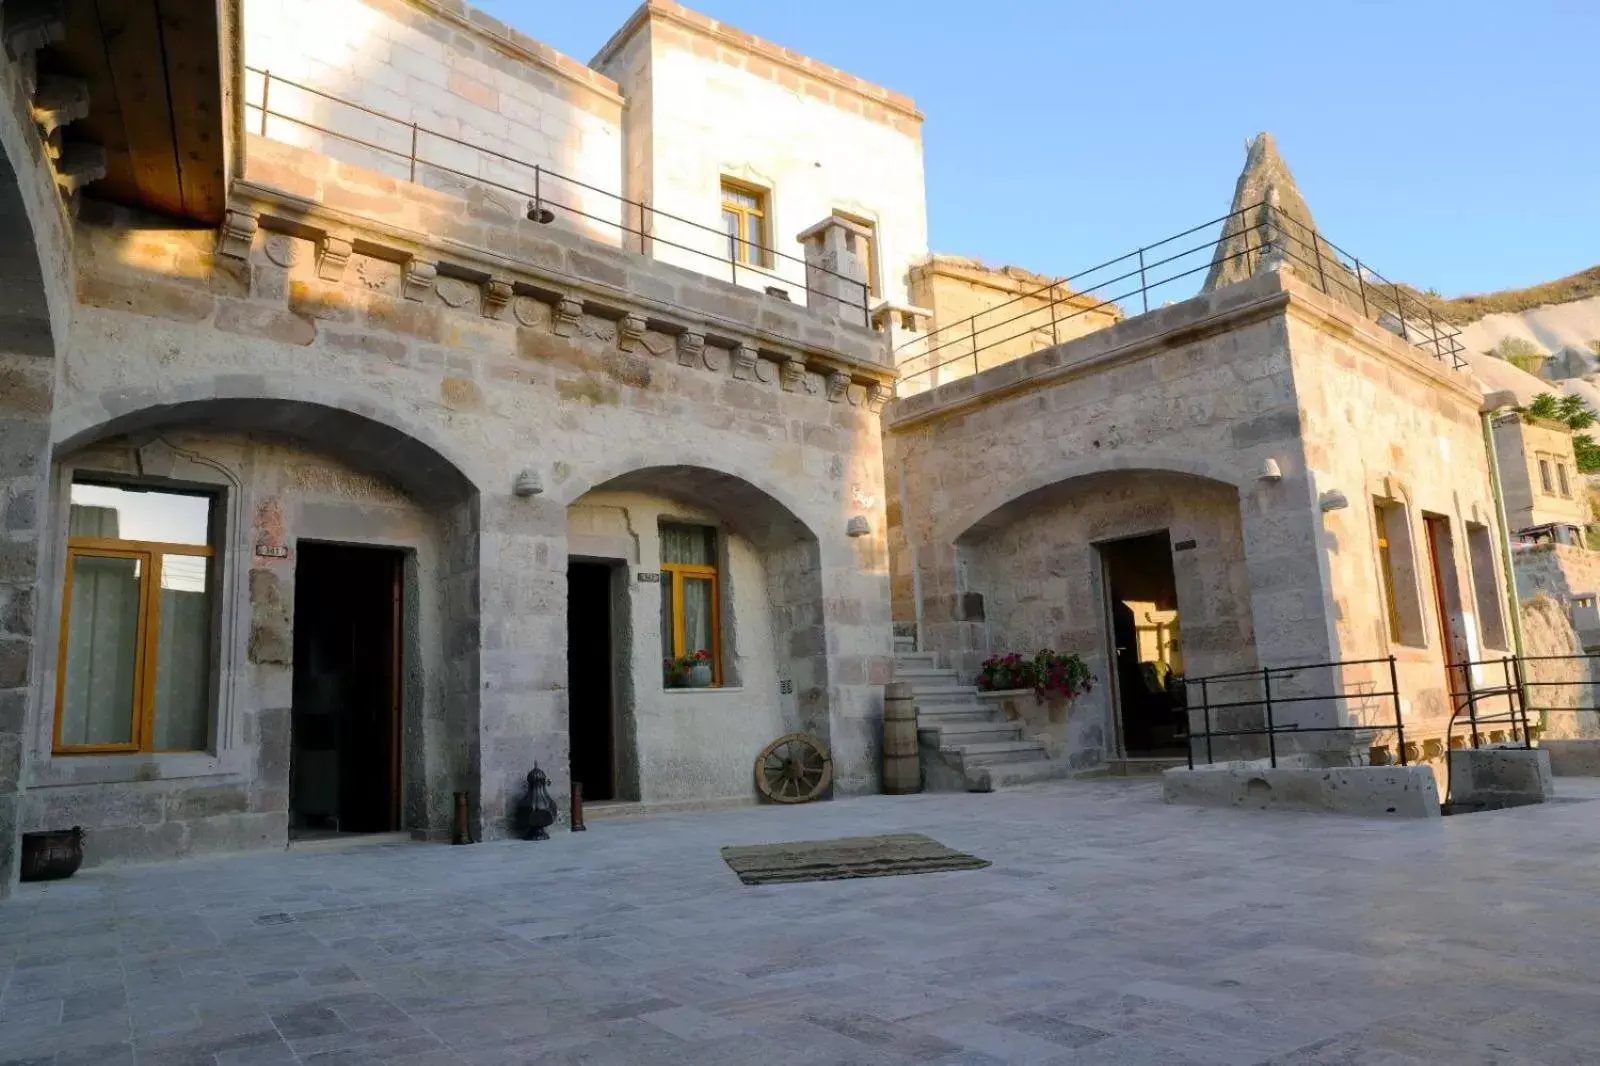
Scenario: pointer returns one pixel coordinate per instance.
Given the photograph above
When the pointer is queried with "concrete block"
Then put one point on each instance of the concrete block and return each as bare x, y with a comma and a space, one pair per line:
1369, 791
1573, 758
1491, 778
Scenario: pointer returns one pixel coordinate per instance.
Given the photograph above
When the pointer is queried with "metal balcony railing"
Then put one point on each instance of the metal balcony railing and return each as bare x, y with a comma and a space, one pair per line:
418, 150
1165, 270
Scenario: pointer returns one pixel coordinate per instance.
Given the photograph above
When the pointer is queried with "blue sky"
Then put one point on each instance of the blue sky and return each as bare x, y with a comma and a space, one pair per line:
1454, 144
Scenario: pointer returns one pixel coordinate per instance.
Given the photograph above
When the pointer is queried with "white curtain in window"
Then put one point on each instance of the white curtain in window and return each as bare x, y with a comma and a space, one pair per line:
696, 615
102, 645
183, 667
687, 544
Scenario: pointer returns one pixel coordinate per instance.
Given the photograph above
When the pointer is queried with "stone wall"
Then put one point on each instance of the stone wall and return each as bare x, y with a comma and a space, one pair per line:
1265, 389
454, 72
726, 104
1038, 583
997, 313
236, 796
1201, 389
1383, 420
35, 276
689, 743
435, 345
1561, 571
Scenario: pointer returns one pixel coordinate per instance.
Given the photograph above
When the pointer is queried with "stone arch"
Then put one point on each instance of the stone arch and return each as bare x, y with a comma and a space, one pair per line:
354, 424
438, 540
698, 475
779, 640
1012, 498
35, 258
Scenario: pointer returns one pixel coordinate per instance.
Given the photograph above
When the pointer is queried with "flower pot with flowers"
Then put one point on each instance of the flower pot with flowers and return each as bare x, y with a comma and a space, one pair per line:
689, 671
1060, 677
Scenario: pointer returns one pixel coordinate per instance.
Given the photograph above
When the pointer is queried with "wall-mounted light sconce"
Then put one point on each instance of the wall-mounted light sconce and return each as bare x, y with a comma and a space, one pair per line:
857, 526
1333, 500
528, 483
1270, 471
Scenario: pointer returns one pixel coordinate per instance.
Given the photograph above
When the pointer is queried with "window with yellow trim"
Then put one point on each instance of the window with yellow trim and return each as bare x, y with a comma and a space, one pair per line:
744, 218
135, 666
690, 605
864, 246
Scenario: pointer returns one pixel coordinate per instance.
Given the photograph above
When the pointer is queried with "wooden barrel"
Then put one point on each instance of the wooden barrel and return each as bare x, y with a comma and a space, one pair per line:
902, 768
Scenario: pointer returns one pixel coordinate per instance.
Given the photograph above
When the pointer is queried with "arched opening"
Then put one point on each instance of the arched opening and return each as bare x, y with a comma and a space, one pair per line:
290, 592
1140, 572
27, 381
695, 633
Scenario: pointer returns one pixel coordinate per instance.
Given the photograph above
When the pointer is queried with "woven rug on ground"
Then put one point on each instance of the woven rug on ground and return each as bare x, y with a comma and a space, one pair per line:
835, 860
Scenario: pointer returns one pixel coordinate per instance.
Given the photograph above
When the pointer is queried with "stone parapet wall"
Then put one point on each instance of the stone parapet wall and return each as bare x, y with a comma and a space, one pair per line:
482, 248
1561, 571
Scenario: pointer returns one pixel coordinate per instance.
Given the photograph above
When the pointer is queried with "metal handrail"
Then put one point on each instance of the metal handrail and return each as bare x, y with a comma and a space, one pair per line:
1327, 263
648, 238
1272, 729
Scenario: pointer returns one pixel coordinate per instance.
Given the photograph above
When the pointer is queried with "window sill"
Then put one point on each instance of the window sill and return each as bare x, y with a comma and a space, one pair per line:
701, 691
54, 771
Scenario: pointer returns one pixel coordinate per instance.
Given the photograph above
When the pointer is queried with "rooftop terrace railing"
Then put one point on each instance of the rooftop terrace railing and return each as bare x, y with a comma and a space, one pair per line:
418, 150
1165, 270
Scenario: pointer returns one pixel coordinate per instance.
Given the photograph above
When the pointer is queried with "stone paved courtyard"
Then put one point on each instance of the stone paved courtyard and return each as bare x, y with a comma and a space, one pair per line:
1110, 929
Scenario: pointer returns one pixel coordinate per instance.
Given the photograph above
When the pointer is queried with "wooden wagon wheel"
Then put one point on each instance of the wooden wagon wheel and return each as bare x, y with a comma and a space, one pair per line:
795, 768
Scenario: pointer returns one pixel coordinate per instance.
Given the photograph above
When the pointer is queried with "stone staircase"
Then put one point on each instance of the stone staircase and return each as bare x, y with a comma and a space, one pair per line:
967, 746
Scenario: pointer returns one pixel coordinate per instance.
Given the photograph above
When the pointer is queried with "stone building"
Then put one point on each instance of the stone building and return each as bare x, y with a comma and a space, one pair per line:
358, 453
980, 316
1258, 476
415, 404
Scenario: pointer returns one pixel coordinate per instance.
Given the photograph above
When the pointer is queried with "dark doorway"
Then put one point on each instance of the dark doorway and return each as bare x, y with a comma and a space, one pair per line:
1447, 604
1145, 645
591, 704
345, 758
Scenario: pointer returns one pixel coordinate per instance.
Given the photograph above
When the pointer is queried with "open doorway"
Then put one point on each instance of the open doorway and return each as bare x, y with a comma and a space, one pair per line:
345, 723
1146, 646
591, 670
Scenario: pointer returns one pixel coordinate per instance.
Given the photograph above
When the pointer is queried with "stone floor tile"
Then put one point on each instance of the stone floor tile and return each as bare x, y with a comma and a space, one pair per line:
1184, 935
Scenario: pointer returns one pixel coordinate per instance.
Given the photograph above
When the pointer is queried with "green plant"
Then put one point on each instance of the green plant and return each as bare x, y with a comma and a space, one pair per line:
1594, 346
1520, 353
679, 667
1051, 674
1060, 675
1002, 672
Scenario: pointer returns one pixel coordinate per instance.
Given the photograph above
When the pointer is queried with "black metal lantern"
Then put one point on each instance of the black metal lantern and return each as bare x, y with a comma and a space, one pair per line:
538, 810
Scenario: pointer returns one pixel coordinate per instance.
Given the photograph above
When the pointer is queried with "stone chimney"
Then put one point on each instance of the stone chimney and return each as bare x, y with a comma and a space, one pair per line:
836, 270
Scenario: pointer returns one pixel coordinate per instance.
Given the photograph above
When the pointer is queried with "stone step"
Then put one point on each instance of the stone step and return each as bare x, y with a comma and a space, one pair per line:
1142, 767
946, 734
912, 658
929, 717
921, 681
1006, 774
928, 695
904, 645
1002, 751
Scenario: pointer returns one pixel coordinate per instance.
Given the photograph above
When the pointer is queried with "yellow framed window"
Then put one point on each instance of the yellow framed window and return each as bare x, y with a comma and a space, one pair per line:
690, 598
744, 218
1386, 568
866, 248
135, 655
